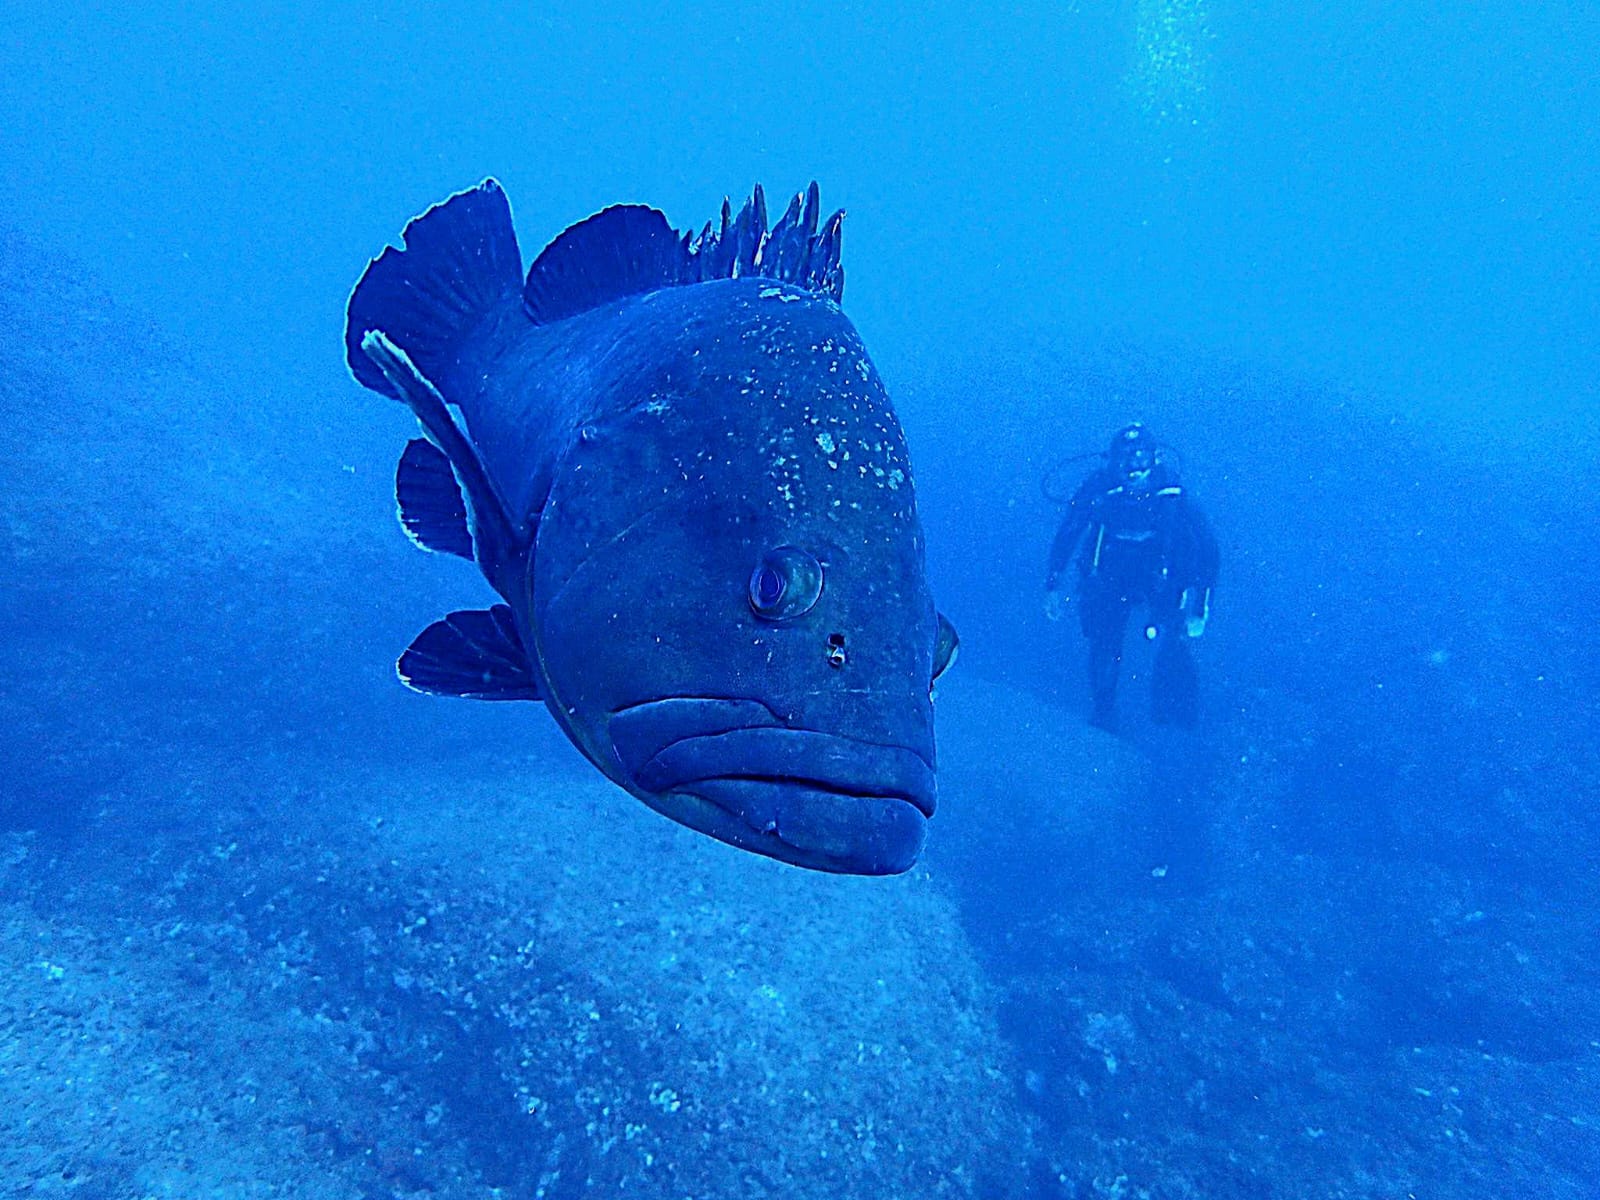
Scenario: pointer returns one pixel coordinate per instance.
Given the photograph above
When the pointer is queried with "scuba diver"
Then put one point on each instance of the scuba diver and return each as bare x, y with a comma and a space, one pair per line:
1140, 540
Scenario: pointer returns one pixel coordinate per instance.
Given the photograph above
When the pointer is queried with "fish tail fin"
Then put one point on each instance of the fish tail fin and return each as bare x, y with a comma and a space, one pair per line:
460, 262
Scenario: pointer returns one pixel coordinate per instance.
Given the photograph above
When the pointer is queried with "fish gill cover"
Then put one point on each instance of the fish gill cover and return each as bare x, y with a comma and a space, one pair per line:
676, 464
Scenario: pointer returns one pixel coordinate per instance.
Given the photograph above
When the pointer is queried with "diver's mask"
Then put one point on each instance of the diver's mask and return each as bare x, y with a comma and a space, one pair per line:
1138, 462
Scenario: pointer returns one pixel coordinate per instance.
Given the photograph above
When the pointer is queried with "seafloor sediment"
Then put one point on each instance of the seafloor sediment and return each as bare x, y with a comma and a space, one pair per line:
490, 973
487, 975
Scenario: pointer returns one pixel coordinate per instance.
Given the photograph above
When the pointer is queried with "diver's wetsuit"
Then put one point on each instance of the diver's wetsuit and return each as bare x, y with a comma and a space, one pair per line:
1138, 547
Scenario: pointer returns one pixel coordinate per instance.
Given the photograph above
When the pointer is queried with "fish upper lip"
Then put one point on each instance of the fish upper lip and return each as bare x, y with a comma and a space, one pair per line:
763, 750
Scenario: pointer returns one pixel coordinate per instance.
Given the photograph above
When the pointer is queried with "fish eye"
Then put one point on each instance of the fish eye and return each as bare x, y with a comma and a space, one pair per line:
769, 588
786, 583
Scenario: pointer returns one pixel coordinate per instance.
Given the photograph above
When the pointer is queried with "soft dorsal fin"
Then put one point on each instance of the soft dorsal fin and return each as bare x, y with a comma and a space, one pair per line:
624, 251
630, 249
460, 262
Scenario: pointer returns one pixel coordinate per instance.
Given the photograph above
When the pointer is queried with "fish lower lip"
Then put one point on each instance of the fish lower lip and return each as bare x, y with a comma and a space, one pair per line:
815, 827
777, 755
818, 761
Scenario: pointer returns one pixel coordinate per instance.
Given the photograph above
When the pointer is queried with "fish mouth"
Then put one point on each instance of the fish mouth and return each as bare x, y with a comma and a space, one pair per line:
811, 798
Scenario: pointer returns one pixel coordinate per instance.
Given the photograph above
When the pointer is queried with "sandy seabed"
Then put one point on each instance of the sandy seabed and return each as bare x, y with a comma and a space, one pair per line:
476, 977
492, 973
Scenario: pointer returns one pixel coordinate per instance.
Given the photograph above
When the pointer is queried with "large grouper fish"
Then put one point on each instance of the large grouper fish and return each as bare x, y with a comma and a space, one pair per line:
673, 459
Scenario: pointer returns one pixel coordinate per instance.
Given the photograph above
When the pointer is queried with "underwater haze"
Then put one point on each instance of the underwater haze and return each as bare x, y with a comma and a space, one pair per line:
274, 925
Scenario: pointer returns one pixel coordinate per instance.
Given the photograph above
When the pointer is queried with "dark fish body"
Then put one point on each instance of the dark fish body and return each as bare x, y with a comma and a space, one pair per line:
686, 481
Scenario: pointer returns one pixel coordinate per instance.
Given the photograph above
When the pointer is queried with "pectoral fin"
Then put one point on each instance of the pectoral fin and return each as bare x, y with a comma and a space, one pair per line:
945, 647
474, 654
429, 501
493, 533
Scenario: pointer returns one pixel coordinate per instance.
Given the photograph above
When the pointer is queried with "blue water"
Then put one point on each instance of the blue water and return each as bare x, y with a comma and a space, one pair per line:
1337, 941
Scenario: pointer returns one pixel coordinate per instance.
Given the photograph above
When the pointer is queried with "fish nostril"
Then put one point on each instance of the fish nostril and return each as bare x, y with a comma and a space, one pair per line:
836, 655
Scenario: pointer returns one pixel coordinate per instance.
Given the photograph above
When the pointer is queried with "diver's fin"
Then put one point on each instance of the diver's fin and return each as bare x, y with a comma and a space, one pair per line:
432, 510
475, 654
630, 249
1174, 683
460, 263
624, 251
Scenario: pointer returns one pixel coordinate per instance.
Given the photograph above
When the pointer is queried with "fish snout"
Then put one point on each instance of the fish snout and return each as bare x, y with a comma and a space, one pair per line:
732, 769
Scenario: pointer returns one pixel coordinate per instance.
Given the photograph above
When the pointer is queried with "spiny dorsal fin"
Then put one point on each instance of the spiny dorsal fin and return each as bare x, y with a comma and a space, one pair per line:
630, 249
793, 251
